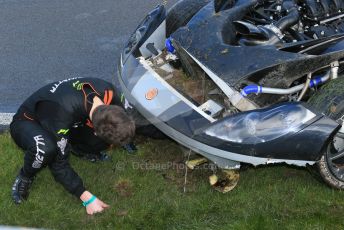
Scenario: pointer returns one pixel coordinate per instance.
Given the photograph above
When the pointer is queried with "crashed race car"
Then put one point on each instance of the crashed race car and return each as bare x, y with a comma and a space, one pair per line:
246, 81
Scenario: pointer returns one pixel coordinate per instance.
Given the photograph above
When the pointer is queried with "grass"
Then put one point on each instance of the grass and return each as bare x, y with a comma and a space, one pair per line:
145, 191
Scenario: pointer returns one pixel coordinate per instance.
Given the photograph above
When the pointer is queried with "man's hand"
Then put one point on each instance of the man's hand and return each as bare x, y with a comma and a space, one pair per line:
96, 206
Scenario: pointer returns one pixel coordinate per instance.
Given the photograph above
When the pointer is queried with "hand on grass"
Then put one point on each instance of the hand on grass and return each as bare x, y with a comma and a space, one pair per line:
96, 206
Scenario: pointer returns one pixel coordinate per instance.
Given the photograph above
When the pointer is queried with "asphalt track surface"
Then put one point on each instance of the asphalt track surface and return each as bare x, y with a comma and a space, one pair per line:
42, 41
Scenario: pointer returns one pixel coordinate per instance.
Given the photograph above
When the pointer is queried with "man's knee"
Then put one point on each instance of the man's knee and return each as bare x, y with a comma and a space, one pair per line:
43, 152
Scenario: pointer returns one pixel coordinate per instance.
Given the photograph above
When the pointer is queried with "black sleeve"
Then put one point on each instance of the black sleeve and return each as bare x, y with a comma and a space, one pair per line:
64, 174
57, 121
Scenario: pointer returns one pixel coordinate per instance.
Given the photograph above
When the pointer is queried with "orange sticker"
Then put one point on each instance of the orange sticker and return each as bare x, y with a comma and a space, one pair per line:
151, 94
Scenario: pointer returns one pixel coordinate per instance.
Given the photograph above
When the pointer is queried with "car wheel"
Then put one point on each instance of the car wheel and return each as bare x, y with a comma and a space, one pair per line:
330, 101
178, 16
181, 13
331, 164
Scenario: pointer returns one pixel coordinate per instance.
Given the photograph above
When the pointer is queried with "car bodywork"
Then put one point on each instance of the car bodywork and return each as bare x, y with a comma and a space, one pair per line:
233, 54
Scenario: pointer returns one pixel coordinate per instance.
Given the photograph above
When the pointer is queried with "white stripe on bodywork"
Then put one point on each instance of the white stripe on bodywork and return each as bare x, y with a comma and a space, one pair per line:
6, 118
341, 130
173, 93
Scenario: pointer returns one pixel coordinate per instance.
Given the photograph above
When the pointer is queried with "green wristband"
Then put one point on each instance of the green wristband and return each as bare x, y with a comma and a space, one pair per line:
85, 203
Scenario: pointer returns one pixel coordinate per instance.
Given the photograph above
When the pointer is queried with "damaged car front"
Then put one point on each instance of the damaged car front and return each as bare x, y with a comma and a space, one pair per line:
235, 80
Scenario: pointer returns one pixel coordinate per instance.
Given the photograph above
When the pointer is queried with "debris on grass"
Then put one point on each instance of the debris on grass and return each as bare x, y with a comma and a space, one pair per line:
122, 213
124, 188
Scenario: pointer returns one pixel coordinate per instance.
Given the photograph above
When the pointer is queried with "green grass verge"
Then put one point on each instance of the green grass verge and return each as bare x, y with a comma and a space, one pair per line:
145, 191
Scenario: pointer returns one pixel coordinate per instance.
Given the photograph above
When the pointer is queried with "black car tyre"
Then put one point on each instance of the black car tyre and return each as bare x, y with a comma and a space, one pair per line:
178, 16
332, 174
181, 13
330, 101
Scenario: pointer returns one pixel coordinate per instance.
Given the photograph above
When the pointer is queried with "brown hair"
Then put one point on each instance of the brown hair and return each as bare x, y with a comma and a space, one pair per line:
113, 125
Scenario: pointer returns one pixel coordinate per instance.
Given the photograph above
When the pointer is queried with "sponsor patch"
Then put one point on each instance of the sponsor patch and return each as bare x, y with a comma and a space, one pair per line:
63, 131
39, 157
56, 85
62, 145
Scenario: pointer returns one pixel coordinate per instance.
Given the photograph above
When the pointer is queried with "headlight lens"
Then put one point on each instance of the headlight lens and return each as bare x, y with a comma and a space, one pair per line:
261, 125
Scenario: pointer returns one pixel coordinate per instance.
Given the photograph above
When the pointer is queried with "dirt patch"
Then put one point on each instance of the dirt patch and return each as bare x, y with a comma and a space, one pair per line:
195, 88
124, 188
122, 213
336, 209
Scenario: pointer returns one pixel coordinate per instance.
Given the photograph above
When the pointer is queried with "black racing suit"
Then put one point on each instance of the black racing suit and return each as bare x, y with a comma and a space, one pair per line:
54, 117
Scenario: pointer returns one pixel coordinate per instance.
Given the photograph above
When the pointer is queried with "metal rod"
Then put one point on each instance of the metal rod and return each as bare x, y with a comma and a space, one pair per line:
309, 78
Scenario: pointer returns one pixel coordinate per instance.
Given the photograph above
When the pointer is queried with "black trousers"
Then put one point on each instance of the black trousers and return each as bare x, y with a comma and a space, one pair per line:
40, 147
